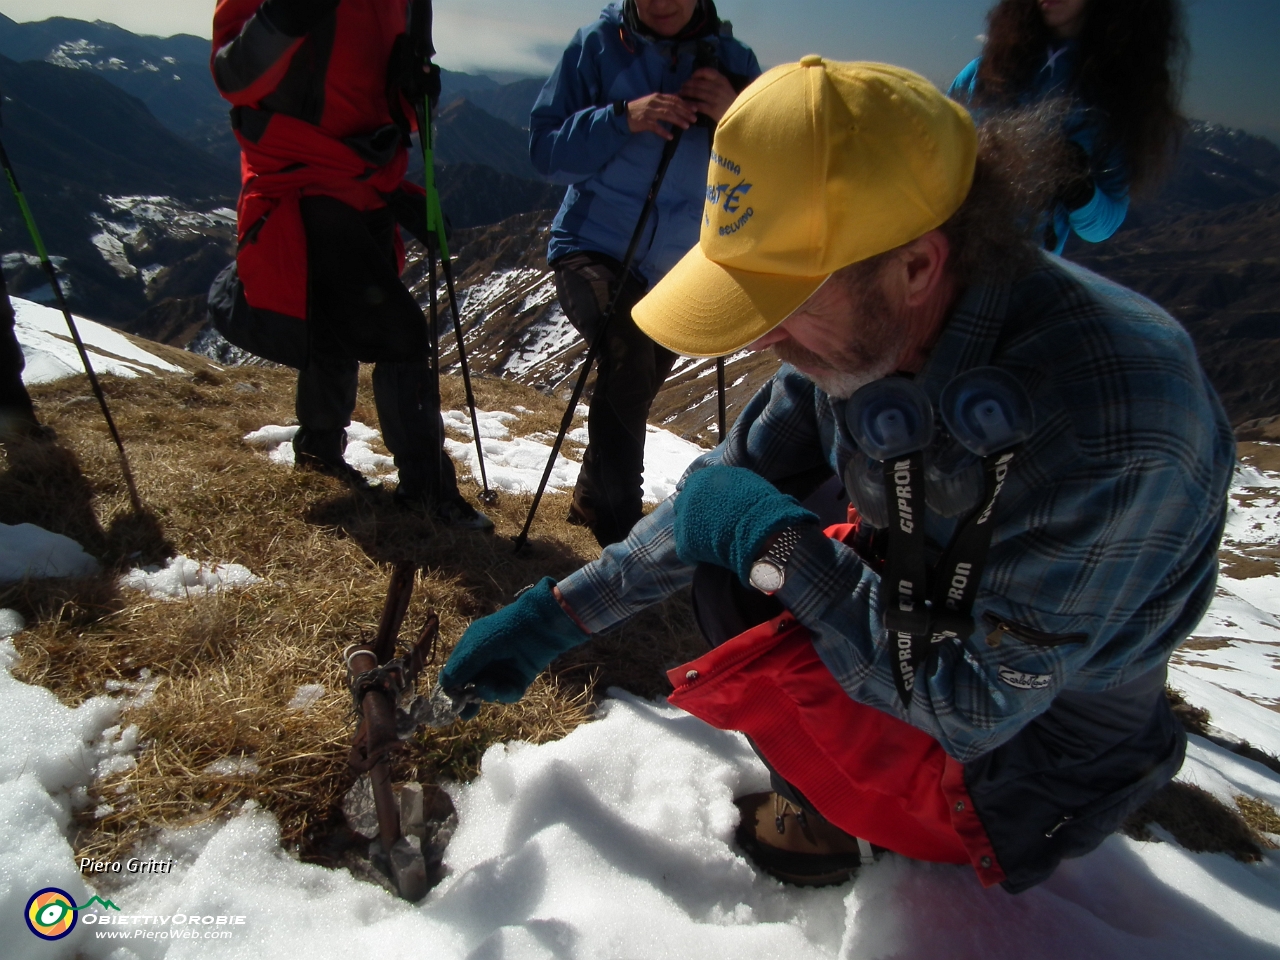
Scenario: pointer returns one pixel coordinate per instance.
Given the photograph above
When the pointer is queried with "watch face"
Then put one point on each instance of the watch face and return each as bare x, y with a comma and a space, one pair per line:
766, 576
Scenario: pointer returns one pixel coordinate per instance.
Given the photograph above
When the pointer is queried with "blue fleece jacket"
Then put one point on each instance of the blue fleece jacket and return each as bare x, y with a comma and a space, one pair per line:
577, 138
1100, 217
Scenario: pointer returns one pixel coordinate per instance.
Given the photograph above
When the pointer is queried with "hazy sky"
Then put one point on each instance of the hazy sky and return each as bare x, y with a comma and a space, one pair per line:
1234, 79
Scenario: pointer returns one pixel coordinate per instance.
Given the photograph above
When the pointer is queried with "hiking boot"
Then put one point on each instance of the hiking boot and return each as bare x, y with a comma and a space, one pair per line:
576, 518
338, 469
18, 425
455, 512
797, 846
458, 513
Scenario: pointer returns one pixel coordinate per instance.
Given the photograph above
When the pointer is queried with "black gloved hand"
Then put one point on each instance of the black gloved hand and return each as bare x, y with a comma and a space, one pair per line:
413, 74
296, 18
1077, 186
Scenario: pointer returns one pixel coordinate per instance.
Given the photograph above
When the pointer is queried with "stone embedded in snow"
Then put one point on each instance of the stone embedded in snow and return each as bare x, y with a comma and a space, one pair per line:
31, 552
182, 577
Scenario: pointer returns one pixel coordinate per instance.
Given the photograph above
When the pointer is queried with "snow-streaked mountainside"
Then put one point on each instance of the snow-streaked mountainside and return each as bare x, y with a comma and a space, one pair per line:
616, 841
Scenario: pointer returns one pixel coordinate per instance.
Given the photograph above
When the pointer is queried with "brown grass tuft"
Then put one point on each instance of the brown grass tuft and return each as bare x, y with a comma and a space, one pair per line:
1198, 821
1261, 816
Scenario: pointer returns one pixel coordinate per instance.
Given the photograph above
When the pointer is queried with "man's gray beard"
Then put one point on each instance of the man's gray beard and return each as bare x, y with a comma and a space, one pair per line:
842, 386
835, 383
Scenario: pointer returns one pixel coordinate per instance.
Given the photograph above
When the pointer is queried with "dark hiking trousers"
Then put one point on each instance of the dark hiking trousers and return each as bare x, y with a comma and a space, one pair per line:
16, 410
361, 311
630, 371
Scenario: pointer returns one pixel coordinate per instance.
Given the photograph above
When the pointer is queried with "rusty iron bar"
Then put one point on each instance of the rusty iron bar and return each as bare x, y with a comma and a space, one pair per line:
378, 733
399, 593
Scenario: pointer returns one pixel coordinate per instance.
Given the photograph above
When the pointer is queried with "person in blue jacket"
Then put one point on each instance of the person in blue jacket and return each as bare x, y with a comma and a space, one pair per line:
623, 85
1118, 64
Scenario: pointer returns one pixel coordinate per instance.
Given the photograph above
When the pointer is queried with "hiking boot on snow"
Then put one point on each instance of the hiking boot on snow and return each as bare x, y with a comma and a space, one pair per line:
338, 469
455, 511
797, 846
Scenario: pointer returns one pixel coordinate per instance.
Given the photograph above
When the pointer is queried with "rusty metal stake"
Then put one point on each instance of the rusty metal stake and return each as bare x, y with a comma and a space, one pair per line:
376, 690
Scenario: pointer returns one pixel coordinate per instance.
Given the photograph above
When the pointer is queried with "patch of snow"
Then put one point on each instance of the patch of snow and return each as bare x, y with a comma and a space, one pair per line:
11, 623
306, 697
515, 466
540, 343
182, 578
31, 552
1227, 775
493, 424
233, 767
277, 443
499, 286
135, 693
51, 353
112, 250
73, 55
666, 457
541, 295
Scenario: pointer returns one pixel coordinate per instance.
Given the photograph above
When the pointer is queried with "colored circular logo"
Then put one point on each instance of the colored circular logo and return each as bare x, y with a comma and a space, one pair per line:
51, 913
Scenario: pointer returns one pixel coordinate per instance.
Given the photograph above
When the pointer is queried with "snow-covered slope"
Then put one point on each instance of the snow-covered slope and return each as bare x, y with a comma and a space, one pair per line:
51, 353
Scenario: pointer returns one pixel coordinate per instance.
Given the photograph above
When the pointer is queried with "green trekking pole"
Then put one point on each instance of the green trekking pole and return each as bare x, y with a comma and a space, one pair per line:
54, 285
424, 49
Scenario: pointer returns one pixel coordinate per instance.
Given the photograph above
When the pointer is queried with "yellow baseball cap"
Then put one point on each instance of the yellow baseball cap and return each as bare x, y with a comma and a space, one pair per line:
817, 165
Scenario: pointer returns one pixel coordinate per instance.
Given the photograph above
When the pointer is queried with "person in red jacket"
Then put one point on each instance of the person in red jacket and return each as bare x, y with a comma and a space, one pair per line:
323, 124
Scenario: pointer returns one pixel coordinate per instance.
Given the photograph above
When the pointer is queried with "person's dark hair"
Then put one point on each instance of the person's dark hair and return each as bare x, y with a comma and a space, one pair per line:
1132, 58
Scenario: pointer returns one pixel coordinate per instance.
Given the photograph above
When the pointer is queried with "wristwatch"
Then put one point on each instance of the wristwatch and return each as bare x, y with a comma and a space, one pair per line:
769, 573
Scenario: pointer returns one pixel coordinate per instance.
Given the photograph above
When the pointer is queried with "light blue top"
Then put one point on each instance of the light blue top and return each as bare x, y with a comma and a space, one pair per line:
1100, 217
576, 138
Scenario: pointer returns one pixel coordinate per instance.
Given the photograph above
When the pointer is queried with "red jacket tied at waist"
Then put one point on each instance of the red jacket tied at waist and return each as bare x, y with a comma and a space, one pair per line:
298, 100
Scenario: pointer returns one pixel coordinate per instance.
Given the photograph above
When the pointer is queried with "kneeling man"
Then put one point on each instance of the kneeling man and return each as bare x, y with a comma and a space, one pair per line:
972, 670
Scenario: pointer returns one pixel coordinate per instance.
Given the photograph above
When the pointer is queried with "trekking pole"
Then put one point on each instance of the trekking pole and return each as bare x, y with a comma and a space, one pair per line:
720, 391
420, 31
650, 201
56, 287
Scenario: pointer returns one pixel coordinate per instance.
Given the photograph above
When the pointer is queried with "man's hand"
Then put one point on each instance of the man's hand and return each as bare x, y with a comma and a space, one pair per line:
502, 653
648, 114
726, 516
709, 91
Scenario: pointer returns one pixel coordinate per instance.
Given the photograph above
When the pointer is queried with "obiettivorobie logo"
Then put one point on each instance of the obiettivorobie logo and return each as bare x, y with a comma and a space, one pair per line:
51, 913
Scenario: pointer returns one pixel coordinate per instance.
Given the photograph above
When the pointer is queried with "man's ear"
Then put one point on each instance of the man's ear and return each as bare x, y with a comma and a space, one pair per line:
922, 267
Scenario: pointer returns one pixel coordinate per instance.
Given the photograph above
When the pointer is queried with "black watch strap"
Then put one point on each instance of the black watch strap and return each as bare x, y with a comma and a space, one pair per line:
619, 108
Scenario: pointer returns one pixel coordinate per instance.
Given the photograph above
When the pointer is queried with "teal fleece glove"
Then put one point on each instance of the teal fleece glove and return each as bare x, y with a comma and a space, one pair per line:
726, 515
502, 653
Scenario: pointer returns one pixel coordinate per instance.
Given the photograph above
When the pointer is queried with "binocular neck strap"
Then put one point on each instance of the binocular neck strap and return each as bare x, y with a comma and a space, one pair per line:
917, 618
906, 572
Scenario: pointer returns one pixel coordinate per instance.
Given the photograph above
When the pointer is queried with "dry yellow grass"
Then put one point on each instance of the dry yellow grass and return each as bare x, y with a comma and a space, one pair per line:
228, 665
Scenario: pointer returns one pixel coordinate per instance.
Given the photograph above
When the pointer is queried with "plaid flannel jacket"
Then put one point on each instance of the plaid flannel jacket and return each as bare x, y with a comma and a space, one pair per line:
1104, 554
